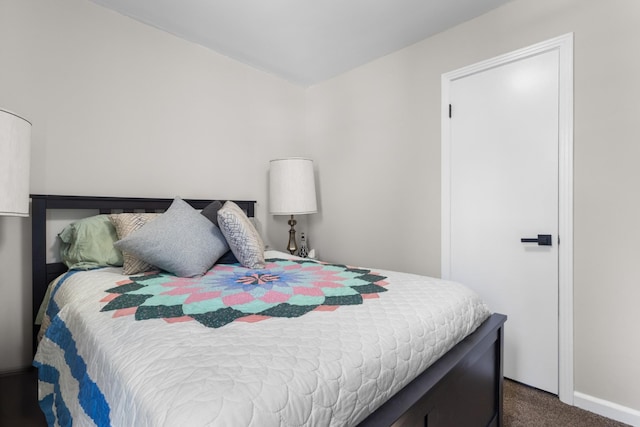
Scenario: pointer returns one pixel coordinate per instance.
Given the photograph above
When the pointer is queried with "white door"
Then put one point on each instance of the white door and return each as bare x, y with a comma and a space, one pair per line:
503, 187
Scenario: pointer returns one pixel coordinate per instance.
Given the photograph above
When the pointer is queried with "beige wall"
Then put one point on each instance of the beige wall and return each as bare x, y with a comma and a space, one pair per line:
123, 109
120, 108
375, 133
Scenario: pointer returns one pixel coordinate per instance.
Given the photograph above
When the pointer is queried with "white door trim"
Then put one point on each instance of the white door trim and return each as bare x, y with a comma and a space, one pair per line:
564, 46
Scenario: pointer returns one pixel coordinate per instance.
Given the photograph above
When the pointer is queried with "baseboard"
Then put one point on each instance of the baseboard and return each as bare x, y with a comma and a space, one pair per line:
607, 409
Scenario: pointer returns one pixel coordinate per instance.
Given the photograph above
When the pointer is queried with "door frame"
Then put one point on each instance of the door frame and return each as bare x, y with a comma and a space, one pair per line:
564, 45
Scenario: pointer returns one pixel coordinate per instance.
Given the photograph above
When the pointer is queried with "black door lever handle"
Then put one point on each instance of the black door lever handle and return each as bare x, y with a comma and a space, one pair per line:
542, 240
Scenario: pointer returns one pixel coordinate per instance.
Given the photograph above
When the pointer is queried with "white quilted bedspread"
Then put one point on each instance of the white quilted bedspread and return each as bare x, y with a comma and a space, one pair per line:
325, 368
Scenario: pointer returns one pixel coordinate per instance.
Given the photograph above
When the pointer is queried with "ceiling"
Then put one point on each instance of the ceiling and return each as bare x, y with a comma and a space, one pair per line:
303, 41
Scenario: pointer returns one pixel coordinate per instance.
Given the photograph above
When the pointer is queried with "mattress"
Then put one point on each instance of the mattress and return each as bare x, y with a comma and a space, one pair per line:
119, 351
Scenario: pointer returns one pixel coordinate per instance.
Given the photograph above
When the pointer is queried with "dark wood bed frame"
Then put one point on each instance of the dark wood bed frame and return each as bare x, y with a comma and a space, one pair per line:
463, 388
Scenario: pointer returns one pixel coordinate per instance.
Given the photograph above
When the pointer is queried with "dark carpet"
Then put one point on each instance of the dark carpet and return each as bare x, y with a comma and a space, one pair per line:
19, 400
525, 406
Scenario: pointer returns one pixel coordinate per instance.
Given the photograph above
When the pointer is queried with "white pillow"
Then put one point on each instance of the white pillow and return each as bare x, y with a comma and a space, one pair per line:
243, 238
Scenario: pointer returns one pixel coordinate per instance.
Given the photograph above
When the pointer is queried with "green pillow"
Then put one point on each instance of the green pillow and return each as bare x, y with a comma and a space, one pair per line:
88, 243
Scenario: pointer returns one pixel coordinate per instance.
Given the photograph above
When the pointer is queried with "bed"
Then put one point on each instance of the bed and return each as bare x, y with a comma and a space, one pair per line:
359, 347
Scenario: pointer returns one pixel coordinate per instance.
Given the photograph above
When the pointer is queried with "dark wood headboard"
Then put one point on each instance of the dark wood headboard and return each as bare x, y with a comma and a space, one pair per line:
44, 273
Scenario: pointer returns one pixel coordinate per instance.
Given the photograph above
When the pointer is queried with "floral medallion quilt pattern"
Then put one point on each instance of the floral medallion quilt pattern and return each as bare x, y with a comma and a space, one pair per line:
227, 293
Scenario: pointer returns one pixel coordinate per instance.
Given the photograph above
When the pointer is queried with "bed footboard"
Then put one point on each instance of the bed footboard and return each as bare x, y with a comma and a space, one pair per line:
463, 388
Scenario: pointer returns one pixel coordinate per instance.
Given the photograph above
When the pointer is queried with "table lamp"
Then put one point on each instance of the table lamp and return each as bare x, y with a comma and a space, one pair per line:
292, 191
15, 151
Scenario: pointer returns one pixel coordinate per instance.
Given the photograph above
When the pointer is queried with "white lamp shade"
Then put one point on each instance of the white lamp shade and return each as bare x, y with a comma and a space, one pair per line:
292, 188
15, 152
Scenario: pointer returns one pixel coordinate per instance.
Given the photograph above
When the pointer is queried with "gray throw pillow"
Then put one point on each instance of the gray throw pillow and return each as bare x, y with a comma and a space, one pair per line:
180, 241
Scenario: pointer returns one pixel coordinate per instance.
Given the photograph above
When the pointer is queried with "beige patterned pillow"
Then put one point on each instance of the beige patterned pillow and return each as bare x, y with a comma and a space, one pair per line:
125, 224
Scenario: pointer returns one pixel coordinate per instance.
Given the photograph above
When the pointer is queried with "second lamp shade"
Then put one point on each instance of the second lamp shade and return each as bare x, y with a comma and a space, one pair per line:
292, 189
